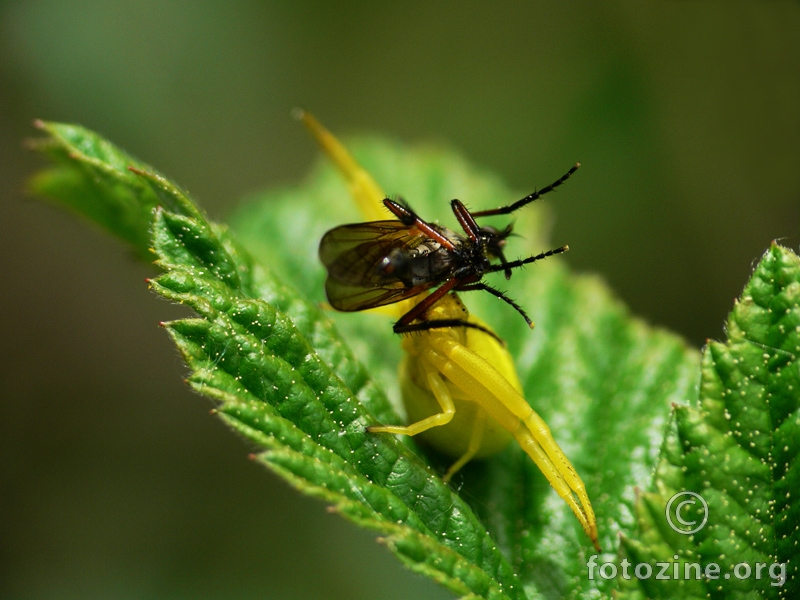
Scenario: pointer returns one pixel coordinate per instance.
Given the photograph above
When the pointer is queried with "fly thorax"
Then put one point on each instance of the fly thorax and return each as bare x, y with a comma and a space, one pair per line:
472, 260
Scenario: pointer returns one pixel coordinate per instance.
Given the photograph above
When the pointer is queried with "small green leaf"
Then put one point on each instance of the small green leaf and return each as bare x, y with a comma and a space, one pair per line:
97, 180
736, 447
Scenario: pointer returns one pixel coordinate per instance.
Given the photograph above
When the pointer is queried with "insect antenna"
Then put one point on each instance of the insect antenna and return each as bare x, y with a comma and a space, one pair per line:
505, 210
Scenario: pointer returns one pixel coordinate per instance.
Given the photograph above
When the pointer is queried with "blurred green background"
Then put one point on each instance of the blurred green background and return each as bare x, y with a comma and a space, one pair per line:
114, 481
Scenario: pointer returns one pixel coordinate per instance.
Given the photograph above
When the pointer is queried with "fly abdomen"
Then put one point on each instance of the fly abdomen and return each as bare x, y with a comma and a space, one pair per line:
426, 263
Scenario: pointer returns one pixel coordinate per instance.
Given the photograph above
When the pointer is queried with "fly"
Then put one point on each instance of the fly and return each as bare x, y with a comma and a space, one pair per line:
382, 262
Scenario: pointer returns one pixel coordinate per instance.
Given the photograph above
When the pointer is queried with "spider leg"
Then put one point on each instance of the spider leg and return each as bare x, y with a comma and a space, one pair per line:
364, 189
442, 395
534, 437
488, 388
439, 389
478, 427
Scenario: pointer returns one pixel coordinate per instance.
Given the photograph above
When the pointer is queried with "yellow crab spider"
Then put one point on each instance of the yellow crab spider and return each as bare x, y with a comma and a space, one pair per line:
459, 384
463, 395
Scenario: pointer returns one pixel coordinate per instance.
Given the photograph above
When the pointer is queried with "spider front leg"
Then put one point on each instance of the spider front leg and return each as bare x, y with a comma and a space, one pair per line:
366, 192
534, 437
494, 394
475, 444
428, 395
439, 389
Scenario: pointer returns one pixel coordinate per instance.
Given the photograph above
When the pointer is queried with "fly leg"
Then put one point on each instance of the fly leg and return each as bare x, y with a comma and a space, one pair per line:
505, 210
406, 323
498, 294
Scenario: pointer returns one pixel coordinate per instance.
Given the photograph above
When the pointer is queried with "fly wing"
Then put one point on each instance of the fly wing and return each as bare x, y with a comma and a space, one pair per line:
353, 255
348, 298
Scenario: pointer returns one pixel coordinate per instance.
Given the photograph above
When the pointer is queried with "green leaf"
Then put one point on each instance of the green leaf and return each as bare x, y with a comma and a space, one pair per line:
275, 390
737, 447
603, 380
96, 179
308, 412
285, 379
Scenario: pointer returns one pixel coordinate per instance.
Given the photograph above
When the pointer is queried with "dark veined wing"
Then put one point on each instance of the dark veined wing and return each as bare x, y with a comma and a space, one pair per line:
352, 254
347, 298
